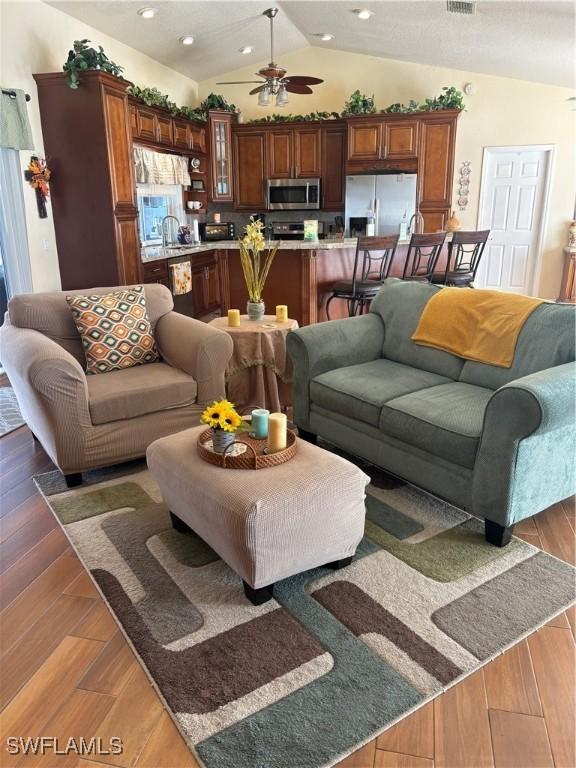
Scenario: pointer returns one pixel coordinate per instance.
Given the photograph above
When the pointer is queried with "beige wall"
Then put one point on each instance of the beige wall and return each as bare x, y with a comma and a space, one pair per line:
503, 112
35, 37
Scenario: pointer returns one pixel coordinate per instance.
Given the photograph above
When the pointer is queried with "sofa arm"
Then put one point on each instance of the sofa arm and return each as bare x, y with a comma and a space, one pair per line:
51, 388
316, 349
197, 349
525, 461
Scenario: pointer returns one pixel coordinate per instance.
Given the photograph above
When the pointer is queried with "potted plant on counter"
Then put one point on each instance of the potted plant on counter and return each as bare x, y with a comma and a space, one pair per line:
255, 266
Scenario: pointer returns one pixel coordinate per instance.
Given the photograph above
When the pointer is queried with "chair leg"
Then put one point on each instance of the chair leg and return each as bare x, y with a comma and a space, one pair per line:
73, 480
497, 534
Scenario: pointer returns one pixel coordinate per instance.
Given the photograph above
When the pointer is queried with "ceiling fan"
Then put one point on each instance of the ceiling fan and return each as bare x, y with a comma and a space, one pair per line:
275, 82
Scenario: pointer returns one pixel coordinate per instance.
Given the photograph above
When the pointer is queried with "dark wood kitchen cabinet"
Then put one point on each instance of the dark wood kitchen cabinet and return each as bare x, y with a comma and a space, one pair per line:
206, 284
222, 164
307, 144
87, 138
280, 154
294, 152
401, 139
251, 169
364, 139
436, 170
333, 160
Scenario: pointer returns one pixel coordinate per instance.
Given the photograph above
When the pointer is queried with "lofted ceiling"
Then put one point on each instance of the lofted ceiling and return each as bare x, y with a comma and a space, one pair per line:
525, 39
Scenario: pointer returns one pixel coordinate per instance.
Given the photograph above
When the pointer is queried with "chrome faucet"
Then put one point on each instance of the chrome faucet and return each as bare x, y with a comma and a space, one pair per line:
418, 220
165, 242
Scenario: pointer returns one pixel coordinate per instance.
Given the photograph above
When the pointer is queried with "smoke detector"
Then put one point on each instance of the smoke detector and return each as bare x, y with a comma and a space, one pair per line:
461, 6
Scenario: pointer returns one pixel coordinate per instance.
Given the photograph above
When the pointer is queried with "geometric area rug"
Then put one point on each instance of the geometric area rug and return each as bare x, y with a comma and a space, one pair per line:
337, 656
10, 416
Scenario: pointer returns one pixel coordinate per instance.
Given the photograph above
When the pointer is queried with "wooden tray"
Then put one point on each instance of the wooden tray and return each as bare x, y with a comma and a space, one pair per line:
253, 458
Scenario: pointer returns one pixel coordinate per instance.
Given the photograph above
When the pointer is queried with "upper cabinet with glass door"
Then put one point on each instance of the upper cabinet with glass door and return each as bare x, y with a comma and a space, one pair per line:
221, 156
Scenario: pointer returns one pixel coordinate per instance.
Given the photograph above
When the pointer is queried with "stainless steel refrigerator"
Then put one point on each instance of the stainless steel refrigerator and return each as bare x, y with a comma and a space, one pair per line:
389, 198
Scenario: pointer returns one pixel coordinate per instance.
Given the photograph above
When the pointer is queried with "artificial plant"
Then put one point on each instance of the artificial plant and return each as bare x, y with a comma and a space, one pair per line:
359, 104
82, 58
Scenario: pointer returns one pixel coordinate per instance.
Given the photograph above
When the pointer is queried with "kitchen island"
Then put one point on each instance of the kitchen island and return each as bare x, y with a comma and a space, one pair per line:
301, 276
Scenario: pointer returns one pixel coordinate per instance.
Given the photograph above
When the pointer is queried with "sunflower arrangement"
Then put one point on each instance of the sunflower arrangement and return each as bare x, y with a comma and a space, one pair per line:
255, 266
221, 414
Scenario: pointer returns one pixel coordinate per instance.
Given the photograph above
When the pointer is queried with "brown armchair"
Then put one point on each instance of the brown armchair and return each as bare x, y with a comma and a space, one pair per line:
84, 422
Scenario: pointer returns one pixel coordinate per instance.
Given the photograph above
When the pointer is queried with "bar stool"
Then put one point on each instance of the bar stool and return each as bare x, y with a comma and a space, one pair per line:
464, 254
422, 257
366, 282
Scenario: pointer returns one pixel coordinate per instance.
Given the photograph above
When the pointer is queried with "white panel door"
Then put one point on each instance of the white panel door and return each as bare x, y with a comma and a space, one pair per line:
512, 197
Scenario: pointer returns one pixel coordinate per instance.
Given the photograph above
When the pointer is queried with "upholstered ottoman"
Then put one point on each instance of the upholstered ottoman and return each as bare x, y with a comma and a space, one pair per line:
267, 524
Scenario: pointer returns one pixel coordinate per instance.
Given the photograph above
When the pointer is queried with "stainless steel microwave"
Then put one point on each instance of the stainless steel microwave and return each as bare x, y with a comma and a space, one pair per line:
293, 194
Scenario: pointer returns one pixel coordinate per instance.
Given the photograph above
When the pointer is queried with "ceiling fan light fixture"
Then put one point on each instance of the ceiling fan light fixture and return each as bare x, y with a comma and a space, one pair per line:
325, 36
187, 40
246, 49
282, 96
363, 13
264, 97
147, 13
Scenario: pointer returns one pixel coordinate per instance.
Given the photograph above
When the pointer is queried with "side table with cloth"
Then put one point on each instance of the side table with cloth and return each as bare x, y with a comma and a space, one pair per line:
259, 372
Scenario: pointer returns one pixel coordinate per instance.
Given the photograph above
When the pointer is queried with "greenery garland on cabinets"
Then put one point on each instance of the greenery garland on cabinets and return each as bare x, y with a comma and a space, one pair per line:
288, 118
152, 97
450, 98
82, 58
360, 104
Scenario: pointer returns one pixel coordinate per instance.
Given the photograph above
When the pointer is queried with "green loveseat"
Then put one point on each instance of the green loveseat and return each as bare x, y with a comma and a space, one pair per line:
498, 442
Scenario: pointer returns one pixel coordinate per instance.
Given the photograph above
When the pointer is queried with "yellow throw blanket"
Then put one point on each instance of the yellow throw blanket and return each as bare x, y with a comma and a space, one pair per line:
474, 324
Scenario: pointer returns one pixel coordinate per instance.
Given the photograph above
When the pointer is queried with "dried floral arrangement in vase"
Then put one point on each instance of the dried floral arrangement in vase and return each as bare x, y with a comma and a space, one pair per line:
255, 266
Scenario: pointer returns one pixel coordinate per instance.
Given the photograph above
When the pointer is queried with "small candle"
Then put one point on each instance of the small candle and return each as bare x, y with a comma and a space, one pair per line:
260, 423
281, 313
277, 432
234, 318
216, 218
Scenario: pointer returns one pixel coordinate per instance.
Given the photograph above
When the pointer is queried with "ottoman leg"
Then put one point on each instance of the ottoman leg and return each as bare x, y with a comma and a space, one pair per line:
337, 564
179, 525
310, 437
258, 596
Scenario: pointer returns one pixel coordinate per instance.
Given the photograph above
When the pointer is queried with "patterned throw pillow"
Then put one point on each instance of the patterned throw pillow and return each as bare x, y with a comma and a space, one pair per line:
114, 329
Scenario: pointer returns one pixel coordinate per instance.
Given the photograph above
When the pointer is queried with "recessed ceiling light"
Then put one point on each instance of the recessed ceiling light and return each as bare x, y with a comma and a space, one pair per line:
363, 13
325, 36
246, 49
147, 13
187, 40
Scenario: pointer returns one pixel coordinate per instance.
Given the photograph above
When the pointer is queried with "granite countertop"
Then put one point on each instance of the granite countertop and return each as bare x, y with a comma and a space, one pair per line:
158, 253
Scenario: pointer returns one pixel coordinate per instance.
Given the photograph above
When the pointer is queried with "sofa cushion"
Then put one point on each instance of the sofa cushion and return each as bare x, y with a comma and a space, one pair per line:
120, 395
360, 391
400, 304
445, 420
546, 340
50, 314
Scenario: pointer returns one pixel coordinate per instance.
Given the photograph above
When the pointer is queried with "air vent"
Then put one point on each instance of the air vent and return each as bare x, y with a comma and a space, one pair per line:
460, 6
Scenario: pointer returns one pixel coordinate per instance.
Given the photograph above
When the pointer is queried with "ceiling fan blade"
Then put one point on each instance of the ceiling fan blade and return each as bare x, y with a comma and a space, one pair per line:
238, 82
297, 88
257, 90
303, 80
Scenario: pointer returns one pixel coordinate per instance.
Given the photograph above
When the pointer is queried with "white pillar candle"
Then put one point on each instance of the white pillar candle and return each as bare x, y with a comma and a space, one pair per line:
277, 432
281, 313
234, 318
